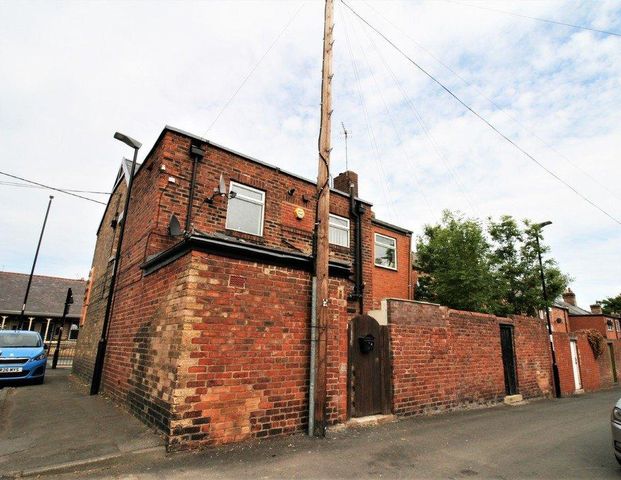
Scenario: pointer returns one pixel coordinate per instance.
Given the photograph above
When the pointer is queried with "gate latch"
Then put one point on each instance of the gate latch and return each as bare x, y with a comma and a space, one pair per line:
367, 343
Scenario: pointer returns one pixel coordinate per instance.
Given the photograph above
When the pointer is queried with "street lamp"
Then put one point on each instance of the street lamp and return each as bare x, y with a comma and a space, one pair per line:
557, 382
103, 340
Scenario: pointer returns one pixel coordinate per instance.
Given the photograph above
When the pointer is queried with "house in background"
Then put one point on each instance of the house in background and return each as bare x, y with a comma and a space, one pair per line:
581, 319
568, 317
209, 338
46, 302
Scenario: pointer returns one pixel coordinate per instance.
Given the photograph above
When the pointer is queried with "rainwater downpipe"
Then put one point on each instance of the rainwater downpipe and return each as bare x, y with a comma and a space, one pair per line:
197, 154
355, 211
313, 353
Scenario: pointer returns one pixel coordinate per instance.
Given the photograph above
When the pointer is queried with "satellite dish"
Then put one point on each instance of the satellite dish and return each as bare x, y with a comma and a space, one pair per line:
222, 186
174, 227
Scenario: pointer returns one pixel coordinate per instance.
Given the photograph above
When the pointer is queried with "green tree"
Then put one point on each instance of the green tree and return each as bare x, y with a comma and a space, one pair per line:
499, 273
611, 305
453, 258
515, 265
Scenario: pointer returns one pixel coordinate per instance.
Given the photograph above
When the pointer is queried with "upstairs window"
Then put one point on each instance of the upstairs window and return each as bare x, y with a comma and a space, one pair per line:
245, 212
385, 251
338, 233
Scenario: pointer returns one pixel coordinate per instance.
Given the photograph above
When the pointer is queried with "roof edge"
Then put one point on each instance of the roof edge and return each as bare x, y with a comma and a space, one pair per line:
252, 159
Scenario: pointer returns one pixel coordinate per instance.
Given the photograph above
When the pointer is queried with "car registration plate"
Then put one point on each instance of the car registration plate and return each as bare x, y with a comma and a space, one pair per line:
10, 369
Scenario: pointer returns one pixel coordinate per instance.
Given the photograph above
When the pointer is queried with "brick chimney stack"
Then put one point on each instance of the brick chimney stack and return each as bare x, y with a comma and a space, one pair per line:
569, 297
343, 181
597, 309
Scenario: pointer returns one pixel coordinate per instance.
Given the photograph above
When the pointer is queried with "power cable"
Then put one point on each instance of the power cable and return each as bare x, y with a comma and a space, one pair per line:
498, 107
256, 65
480, 117
370, 131
408, 156
52, 188
555, 22
25, 185
430, 138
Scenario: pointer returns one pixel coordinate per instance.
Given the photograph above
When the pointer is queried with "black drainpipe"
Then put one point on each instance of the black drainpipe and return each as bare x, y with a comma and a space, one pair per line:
197, 154
356, 209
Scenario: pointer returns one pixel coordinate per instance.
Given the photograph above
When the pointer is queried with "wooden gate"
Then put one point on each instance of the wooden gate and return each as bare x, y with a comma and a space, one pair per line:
369, 368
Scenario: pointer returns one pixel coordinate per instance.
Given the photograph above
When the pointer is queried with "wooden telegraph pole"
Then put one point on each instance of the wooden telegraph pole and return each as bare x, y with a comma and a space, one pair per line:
321, 226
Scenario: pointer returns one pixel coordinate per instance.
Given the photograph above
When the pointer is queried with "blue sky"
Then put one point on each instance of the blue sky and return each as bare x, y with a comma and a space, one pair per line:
72, 73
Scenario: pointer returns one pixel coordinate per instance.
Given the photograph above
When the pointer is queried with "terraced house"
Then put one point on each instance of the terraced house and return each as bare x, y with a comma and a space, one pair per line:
209, 338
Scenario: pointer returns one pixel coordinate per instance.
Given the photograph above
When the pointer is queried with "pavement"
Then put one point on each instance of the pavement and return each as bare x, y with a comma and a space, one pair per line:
566, 438
50, 426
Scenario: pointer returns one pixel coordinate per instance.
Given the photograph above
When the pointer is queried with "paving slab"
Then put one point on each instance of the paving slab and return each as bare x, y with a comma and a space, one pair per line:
44, 426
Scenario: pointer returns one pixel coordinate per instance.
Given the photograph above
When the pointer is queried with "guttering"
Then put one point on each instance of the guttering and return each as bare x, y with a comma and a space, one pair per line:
232, 248
390, 226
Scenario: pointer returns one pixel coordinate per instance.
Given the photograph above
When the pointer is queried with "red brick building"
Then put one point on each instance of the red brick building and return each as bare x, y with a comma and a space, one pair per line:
209, 338
579, 369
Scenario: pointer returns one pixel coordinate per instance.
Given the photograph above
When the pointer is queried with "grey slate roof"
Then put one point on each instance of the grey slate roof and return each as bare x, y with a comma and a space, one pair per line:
46, 298
573, 310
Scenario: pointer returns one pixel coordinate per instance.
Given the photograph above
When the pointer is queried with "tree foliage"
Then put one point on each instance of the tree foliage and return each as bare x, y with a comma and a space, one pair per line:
611, 305
494, 270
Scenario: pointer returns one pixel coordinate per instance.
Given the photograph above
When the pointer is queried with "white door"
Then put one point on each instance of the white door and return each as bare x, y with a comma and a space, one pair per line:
575, 364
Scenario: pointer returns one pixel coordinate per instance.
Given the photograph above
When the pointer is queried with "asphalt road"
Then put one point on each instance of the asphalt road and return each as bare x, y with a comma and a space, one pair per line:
566, 438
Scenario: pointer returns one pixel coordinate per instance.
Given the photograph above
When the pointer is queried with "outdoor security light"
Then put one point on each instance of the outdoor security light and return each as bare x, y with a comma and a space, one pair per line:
128, 140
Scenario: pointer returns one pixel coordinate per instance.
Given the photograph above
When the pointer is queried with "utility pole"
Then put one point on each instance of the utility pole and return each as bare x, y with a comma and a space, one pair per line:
34, 263
321, 227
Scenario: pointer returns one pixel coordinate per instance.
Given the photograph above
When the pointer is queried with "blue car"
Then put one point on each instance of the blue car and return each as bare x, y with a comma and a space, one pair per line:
22, 356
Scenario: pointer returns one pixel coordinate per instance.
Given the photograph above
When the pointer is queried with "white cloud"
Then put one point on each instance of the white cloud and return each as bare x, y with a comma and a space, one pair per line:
73, 73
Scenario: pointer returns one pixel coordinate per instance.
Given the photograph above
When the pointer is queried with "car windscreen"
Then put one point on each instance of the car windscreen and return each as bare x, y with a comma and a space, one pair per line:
19, 340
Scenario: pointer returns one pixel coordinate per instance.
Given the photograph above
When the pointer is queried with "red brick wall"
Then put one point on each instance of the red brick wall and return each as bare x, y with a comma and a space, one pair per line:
444, 359
389, 283
594, 373
589, 366
597, 322
562, 349
281, 230
559, 319
244, 365
99, 287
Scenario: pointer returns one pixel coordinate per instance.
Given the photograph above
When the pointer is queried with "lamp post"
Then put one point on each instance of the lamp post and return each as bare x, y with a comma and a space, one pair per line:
103, 340
557, 382
34, 263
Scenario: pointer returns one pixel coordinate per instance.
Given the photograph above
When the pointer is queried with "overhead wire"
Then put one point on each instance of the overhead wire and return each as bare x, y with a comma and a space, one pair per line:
426, 130
545, 20
66, 192
408, 155
27, 185
370, 131
480, 117
253, 69
497, 106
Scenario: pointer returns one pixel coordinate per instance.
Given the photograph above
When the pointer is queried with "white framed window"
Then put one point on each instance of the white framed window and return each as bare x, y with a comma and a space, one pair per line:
245, 212
618, 325
385, 251
338, 231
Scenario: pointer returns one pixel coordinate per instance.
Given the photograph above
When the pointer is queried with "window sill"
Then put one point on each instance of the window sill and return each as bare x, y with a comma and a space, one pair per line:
393, 269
